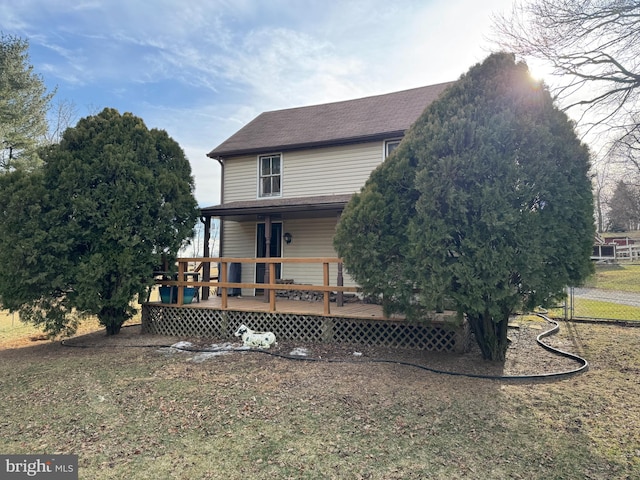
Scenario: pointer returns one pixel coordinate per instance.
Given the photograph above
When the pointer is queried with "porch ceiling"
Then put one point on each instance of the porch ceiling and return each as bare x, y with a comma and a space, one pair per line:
318, 206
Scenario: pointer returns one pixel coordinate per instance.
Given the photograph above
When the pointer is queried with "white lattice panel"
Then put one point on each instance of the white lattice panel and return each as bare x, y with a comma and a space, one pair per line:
212, 323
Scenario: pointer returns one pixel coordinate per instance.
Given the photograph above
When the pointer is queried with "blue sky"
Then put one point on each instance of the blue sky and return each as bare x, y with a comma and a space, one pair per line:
202, 69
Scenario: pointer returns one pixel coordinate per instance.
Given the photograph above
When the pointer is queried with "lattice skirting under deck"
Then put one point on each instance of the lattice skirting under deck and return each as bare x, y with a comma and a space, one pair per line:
211, 323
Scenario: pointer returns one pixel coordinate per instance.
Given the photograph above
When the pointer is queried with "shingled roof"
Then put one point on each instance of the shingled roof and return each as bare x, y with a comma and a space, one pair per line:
351, 121
307, 206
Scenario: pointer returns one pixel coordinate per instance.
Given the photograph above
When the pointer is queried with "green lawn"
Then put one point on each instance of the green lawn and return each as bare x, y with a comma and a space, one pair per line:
584, 308
620, 277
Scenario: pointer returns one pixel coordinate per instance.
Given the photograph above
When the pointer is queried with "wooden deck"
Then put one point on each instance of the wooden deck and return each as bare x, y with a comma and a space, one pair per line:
354, 323
300, 307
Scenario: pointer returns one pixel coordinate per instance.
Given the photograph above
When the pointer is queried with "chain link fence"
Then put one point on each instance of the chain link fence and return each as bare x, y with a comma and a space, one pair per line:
600, 304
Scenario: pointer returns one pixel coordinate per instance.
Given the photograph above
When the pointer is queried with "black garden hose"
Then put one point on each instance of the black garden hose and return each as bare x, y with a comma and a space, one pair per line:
583, 365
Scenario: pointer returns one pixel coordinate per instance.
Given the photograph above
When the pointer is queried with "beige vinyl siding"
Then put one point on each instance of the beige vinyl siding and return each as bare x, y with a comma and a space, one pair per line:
239, 240
311, 172
311, 238
241, 179
329, 171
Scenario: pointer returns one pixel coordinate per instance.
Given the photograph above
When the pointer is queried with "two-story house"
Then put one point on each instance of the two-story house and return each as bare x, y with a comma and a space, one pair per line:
288, 174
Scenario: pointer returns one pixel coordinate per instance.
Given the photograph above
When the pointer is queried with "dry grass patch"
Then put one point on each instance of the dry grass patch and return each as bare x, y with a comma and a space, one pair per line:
622, 277
140, 413
15, 333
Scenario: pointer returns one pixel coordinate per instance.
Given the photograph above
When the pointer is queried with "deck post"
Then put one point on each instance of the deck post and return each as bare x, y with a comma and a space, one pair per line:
223, 280
328, 327
272, 292
206, 269
182, 268
340, 294
267, 253
327, 293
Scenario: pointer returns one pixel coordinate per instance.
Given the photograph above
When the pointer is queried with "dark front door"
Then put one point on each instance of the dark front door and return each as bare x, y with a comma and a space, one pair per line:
275, 250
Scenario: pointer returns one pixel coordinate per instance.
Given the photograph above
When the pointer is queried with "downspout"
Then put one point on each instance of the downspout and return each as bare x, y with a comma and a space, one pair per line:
220, 228
340, 280
207, 228
206, 271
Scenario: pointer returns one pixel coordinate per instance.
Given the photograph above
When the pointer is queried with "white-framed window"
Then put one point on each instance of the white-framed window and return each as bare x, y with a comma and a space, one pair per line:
270, 175
390, 146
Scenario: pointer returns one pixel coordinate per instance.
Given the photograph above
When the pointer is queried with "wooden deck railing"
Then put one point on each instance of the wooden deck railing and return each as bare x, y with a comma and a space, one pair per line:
270, 287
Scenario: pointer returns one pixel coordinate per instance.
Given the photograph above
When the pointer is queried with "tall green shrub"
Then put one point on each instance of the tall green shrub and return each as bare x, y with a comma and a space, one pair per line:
83, 234
486, 206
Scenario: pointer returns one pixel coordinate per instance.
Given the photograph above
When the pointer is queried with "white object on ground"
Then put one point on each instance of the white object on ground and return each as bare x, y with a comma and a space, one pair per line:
255, 339
299, 352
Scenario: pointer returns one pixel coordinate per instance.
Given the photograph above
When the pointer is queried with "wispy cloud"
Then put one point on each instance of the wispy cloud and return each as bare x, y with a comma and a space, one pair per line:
202, 69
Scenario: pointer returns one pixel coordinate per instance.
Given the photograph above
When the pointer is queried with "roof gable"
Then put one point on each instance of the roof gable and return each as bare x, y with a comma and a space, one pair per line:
331, 123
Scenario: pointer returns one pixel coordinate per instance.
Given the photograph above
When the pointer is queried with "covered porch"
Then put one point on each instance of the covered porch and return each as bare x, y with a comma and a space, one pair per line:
337, 318
300, 227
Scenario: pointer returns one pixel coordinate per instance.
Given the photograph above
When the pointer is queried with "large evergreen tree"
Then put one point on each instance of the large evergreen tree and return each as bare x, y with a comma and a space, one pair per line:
485, 207
24, 103
83, 234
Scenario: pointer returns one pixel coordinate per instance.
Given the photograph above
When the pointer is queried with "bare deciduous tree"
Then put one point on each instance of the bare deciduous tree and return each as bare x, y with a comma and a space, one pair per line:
601, 194
625, 207
594, 45
62, 115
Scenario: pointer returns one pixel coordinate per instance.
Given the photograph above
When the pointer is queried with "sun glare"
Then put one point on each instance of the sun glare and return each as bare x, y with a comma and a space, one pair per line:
540, 72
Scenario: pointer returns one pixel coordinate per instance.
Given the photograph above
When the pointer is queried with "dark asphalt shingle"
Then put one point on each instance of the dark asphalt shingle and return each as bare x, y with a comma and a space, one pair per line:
362, 119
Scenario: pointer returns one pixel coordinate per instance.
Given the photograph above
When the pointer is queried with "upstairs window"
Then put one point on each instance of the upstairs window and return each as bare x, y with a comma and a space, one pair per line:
270, 180
390, 146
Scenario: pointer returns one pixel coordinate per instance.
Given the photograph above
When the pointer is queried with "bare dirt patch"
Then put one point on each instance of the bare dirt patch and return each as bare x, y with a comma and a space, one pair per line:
524, 356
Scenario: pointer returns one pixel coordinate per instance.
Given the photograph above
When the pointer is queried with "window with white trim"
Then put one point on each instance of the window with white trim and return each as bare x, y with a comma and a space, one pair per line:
390, 146
269, 175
